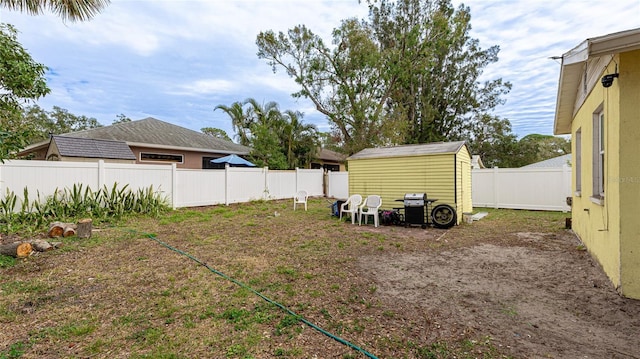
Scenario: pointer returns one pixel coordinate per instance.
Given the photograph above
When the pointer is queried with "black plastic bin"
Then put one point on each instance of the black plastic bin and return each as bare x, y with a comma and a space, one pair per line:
335, 207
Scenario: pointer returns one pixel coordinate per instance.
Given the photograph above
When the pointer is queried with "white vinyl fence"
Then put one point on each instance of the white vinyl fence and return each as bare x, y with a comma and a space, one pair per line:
522, 188
517, 188
182, 187
338, 184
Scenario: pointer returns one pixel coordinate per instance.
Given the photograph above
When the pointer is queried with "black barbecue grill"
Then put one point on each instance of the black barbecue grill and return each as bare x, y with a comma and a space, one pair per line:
415, 211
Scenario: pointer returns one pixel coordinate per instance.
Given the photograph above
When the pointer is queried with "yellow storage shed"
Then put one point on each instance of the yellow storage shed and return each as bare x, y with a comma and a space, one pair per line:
442, 170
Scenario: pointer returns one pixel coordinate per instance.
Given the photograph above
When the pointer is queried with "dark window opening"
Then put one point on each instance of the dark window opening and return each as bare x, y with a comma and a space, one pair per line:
161, 157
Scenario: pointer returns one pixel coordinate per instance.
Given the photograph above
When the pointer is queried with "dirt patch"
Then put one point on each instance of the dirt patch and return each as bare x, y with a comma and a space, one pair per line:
542, 298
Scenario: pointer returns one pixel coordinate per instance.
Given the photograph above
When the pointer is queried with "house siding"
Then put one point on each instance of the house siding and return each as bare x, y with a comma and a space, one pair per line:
629, 173
611, 230
465, 202
437, 175
191, 159
598, 224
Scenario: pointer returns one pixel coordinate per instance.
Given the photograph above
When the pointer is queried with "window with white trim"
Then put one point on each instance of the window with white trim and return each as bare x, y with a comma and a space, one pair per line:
598, 155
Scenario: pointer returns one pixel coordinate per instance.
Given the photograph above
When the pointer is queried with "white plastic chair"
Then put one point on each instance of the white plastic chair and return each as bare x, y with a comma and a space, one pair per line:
351, 206
300, 198
370, 207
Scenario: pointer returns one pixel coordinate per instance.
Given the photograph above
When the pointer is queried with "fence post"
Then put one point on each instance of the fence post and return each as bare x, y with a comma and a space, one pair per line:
566, 186
226, 184
328, 188
265, 192
174, 185
297, 181
101, 174
495, 187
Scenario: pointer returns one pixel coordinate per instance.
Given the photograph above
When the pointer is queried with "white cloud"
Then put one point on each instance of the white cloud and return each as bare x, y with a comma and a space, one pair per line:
204, 87
177, 60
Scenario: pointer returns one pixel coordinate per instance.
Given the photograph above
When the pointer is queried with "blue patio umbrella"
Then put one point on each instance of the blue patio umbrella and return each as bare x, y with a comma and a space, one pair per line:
234, 160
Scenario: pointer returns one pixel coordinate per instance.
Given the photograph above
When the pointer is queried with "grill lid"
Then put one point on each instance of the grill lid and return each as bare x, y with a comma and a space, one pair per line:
414, 199
421, 196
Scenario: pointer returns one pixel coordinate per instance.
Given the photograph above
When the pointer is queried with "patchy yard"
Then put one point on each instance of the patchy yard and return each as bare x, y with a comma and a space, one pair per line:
515, 284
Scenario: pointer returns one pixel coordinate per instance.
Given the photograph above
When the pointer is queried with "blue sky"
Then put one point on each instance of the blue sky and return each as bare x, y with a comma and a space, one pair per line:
177, 60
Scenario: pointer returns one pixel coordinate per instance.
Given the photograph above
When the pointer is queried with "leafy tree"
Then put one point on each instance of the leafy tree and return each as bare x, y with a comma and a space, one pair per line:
437, 66
348, 83
120, 119
61, 121
73, 10
35, 124
21, 80
546, 146
215, 132
265, 148
407, 75
492, 139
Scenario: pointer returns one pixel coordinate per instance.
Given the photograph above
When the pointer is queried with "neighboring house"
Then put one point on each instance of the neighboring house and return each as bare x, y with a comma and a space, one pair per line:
329, 160
599, 105
556, 162
155, 142
88, 150
442, 170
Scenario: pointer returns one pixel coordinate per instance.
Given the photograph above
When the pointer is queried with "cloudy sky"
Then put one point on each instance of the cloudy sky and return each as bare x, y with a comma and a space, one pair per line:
177, 60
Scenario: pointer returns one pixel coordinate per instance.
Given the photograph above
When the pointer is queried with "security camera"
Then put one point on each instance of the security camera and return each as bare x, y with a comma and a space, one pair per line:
607, 80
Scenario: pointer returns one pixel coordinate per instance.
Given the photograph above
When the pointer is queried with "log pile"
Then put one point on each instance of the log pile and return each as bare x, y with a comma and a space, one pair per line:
24, 248
60, 229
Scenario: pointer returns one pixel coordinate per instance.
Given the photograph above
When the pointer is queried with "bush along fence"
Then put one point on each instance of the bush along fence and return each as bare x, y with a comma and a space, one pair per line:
25, 211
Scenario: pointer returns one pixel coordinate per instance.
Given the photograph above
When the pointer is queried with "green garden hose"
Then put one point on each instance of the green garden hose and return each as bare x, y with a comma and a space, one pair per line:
267, 299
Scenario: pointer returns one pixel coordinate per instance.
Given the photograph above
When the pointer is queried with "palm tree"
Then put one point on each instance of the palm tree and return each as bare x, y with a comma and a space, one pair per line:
239, 121
73, 10
300, 140
267, 114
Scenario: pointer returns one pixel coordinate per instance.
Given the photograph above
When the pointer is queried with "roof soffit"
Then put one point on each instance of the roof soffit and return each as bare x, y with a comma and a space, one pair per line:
581, 69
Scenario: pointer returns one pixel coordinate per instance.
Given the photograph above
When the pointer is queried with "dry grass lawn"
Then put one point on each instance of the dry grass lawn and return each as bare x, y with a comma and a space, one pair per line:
515, 284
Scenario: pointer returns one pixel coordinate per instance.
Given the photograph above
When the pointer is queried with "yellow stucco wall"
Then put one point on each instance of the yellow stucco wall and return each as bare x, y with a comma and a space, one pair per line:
392, 178
629, 173
611, 229
597, 224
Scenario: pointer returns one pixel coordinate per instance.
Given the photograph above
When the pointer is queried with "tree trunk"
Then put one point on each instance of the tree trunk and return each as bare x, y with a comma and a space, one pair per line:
56, 229
16, 249
68, 232
84, 228
40, 245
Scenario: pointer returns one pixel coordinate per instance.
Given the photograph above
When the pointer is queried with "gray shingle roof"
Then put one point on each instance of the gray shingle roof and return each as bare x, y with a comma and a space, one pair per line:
328, 155
92, 148
155, 132
555, 162
409, 150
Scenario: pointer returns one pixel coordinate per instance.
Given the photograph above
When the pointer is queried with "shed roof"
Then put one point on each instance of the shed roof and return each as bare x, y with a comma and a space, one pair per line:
573, 67
434, 148
92, 148
151, 132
